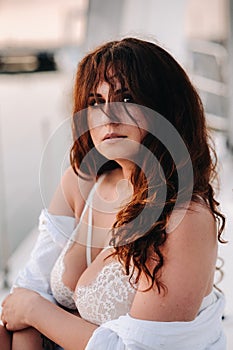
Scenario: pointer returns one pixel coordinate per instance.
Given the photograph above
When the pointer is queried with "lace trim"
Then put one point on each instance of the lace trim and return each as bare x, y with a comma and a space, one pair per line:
109, 296
61, 292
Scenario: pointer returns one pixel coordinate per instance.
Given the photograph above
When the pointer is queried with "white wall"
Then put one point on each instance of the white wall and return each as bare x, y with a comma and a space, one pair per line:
230, 43
161, 20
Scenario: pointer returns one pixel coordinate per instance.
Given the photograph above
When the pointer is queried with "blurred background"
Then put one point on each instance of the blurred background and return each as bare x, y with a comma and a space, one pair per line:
41, 43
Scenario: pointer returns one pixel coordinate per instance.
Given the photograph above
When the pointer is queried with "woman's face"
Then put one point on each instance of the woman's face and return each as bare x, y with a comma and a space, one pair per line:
120, 137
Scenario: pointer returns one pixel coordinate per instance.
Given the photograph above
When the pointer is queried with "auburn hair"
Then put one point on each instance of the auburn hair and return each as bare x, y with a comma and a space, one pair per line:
156, 81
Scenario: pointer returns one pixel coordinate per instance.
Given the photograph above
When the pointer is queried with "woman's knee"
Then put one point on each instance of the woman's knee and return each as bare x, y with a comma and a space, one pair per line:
27, 339
5, 338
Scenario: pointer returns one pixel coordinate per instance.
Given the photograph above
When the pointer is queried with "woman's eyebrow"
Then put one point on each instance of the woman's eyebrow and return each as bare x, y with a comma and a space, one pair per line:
120, 91
92, 95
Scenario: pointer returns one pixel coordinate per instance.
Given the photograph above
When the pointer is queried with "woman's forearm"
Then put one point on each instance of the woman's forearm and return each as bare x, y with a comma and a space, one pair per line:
65, 329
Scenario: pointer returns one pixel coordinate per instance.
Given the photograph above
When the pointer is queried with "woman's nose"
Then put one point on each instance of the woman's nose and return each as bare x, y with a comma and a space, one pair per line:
110, 113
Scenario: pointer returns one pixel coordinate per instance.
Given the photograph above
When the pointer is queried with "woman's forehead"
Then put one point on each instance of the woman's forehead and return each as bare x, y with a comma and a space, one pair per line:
104, 86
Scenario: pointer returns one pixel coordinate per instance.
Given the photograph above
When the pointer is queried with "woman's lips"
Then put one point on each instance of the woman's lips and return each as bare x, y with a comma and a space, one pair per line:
113, 136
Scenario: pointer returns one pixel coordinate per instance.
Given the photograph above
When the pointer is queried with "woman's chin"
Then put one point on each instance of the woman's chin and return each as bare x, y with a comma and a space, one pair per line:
119, 150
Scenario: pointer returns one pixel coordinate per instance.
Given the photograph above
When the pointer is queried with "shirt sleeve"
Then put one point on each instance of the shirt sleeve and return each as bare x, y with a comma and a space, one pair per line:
105, 339
54, 231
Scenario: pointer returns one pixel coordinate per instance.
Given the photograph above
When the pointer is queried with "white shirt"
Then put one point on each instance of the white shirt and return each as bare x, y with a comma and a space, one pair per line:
205, 332
54, 232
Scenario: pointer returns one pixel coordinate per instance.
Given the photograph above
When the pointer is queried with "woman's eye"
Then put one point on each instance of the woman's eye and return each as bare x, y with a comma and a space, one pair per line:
95, 102
92, 102
128, 99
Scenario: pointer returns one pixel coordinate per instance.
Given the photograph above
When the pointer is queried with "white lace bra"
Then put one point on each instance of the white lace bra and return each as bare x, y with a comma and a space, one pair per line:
61, 292
109, 296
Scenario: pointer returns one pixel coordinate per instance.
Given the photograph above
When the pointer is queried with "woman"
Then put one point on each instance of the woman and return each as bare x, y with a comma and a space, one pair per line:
139, 131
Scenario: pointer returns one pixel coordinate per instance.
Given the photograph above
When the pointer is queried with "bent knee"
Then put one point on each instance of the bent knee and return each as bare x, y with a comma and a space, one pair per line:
5, 338
28, 338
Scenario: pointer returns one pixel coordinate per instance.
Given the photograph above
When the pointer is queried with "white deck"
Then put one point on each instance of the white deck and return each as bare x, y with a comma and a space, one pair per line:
226, 197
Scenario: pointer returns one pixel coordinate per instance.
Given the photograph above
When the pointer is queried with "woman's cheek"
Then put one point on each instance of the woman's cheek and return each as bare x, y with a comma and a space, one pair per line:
95, 135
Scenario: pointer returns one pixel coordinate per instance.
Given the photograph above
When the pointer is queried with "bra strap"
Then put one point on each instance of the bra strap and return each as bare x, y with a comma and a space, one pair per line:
90, 221
89, 226
89, 236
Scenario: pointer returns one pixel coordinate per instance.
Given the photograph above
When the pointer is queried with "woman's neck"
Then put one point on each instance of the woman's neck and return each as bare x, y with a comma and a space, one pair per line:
127, 167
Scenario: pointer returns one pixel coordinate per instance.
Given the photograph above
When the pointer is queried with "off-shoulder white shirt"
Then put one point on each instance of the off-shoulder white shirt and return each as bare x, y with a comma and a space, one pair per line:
205, 332
54, 232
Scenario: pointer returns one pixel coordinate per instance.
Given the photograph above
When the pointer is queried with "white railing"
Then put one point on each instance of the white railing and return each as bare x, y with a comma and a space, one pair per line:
210, 80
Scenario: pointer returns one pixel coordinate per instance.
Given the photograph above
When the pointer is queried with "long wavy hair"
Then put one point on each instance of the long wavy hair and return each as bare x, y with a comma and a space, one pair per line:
155, 80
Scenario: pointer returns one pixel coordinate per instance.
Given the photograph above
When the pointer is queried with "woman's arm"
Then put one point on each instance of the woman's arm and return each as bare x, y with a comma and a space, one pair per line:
26, 308
188, 271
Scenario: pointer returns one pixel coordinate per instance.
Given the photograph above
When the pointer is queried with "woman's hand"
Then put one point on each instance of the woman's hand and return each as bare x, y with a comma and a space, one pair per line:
24, 308
16, 307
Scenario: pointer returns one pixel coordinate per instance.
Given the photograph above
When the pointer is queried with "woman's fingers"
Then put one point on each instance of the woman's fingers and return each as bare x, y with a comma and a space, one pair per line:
14, 306
5, 299
3, 319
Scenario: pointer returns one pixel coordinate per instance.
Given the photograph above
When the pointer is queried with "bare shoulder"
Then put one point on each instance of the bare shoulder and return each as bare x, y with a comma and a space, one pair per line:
196, 218
70, 196
192, 234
